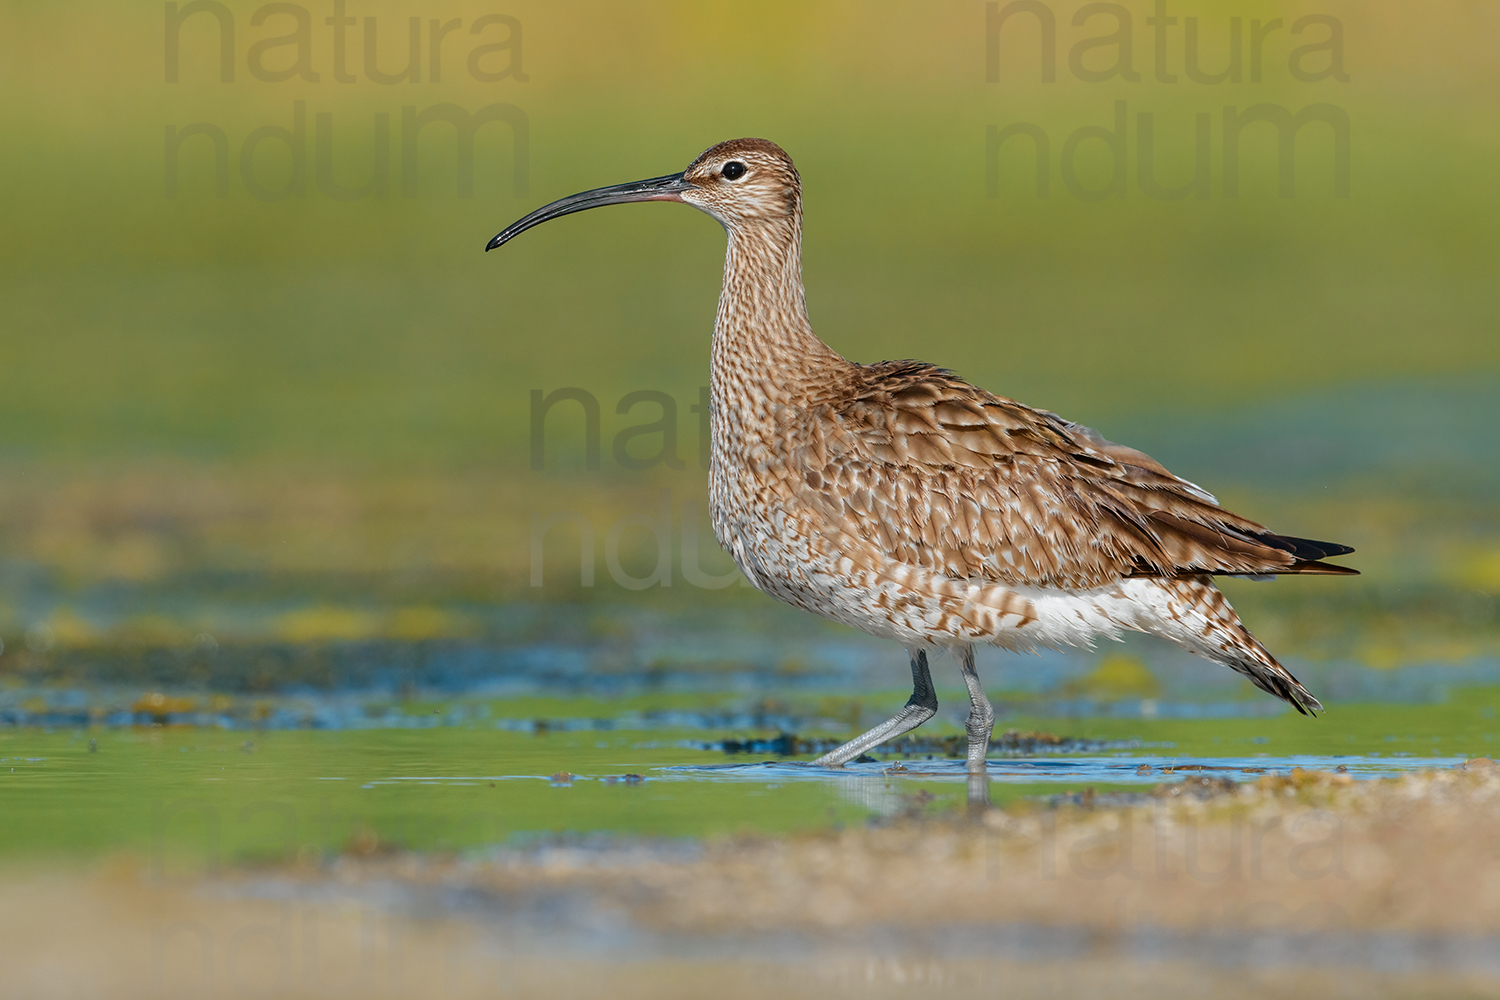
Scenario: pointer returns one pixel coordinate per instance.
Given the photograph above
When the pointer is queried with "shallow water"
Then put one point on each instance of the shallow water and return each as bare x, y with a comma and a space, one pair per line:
1067, 772
562, 721
474, 772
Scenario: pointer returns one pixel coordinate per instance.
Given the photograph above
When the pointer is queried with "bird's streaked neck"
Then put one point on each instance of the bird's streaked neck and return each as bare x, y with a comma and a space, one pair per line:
762, 317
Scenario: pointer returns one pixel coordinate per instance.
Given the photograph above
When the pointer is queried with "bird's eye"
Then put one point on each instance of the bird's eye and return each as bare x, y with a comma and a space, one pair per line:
733, 170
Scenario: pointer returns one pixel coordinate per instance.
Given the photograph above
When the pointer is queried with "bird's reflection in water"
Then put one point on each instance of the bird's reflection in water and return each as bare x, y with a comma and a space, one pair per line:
884, 797
979, 794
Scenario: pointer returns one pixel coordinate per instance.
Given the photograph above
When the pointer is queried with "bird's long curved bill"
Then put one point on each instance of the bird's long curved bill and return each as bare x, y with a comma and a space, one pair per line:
668, 188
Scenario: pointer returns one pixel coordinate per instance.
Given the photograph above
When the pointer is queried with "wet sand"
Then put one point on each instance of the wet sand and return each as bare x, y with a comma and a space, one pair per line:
1309, 885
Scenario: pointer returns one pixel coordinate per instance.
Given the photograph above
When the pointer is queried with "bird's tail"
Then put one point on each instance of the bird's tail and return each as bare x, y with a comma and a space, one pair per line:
1200, 620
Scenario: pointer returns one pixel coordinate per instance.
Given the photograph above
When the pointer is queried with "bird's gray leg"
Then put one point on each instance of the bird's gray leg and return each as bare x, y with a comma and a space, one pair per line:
981, 715
921, 706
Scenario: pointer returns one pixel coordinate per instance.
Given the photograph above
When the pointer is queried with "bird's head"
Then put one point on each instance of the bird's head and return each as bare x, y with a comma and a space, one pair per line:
742, 183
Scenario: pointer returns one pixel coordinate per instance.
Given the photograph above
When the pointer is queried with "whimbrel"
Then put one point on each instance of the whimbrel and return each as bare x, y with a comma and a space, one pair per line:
903, 501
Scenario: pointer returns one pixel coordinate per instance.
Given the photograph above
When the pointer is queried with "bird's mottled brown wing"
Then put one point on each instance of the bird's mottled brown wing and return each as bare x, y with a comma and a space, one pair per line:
940, 474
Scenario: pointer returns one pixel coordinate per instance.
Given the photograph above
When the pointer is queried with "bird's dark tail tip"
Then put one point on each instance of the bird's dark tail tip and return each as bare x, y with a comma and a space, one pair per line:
1310, 554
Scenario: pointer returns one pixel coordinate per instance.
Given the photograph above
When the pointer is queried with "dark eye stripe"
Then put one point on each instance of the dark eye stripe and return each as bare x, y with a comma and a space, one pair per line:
733, 170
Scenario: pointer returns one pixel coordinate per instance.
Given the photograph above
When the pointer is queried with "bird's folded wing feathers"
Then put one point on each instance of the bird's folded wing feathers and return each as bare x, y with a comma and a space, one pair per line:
940, 474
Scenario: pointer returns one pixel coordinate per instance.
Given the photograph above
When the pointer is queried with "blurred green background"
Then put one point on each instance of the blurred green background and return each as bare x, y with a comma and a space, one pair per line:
204, 397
